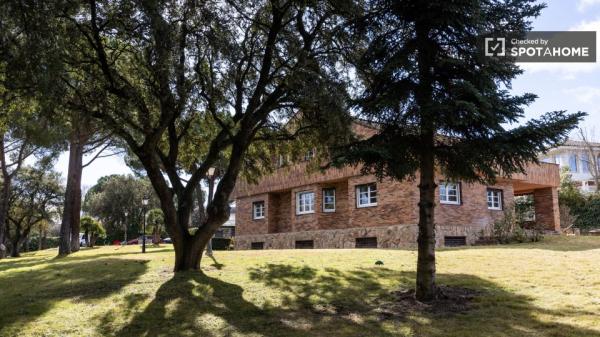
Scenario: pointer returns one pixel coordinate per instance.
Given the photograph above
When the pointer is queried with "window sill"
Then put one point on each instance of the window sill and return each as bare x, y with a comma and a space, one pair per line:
329, 211
450, 203
258, 218
305, 213
495, 209
366, 206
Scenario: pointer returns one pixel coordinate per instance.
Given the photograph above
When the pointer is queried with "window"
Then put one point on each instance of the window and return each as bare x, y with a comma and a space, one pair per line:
450, 193
455, 241
366, 195
257, 245
329, 200
573, 163
310, 154
494, 199
585, 163
370, 242
305, 244
305, 202
258, 210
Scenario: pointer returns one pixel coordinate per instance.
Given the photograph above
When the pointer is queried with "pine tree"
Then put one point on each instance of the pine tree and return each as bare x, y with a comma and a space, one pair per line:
440, 105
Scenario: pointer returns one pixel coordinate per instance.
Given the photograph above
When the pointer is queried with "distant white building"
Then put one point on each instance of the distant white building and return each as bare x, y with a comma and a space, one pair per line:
576, 156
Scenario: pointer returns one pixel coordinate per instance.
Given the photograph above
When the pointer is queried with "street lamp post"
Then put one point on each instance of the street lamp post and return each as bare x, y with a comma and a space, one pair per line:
144, 206
125, 227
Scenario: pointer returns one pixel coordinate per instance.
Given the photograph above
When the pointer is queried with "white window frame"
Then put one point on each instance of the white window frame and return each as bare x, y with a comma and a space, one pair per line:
310, 154
444, 197
328, 210
371, 192
301, 208
494, 195
258, 206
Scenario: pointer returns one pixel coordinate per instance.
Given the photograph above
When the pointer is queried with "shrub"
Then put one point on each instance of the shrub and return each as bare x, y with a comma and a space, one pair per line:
587, 215
509, 229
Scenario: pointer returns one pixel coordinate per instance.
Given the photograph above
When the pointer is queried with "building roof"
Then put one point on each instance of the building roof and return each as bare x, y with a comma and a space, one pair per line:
579, 143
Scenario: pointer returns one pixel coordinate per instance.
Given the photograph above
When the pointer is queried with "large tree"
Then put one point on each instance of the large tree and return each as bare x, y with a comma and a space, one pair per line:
116, 201
35, 196
168, 66
440, 106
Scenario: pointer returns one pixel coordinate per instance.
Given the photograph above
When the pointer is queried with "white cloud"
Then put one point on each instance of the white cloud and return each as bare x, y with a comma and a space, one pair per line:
584, 4
569, 71
584, 94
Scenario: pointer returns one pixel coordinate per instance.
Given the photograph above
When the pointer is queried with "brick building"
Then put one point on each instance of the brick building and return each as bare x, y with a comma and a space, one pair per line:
341, 208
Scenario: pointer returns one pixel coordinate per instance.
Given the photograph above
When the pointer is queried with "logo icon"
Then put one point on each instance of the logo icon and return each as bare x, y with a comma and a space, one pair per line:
495, 46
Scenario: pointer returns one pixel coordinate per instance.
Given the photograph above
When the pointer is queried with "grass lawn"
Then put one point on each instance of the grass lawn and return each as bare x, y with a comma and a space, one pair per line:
545, 289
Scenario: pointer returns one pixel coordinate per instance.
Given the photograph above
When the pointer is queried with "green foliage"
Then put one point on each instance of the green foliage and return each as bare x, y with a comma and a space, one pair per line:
92, 226
155, 222
587, 214
117, 200
34, 201
569, 194
585, 209
431, 94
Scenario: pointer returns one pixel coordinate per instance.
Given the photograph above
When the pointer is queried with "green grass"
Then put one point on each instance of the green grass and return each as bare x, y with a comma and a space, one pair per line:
545, 289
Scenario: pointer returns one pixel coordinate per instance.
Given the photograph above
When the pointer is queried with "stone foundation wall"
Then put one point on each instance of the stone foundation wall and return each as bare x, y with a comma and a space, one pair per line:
394, 236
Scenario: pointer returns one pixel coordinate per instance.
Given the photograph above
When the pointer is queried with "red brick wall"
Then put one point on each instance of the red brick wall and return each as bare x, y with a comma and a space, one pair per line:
283, 214
339, 218
397, 204
245, 224
473, 209
546, 208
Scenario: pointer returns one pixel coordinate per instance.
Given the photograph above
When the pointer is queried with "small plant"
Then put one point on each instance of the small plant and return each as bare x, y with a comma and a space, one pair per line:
379, 263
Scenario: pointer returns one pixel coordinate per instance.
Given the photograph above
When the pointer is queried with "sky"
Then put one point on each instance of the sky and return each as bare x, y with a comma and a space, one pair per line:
559, 86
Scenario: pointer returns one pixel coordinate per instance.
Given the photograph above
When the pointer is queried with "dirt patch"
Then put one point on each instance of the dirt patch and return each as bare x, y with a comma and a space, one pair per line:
450, 300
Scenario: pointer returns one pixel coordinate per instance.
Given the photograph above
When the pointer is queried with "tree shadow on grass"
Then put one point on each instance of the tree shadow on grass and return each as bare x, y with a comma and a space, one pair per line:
331, 303
24, 295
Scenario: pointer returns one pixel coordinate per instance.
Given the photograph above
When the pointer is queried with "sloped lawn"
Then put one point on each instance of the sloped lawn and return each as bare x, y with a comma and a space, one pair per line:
544, 289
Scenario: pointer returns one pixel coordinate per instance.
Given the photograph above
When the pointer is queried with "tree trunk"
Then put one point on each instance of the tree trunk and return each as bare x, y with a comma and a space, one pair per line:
87, 238
188, 254
40, 239
4, 197
43, 239
92, 240
69, 228
16, 246
211, 190
425, 283
155, 235
426, 290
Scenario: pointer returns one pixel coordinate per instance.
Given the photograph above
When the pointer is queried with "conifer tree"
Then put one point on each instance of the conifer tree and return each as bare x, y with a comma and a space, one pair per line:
440, 106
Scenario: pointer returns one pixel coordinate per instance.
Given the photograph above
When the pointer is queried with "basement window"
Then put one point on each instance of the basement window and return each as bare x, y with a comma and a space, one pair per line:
257, 245
305, 244
369, 242
455, 241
